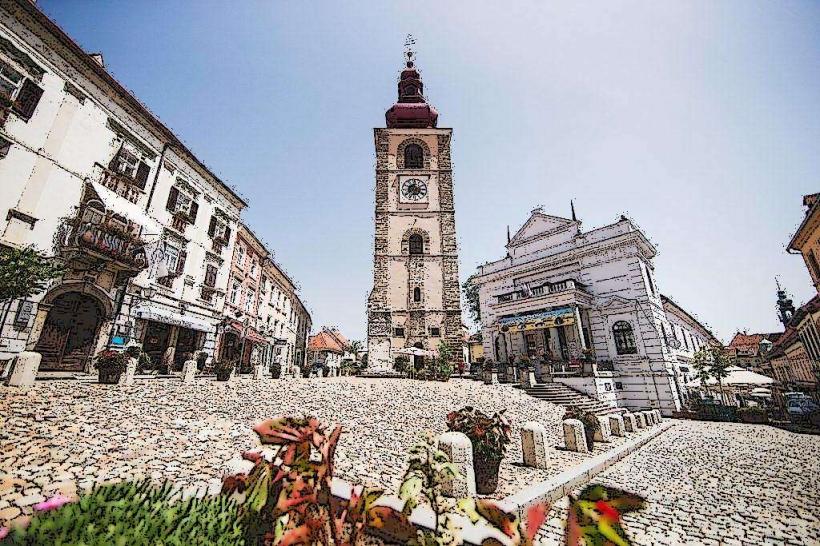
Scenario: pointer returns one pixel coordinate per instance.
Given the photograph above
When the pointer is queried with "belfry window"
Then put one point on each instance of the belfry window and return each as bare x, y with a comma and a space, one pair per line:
416, 244
413, 157
417, 294
624, 338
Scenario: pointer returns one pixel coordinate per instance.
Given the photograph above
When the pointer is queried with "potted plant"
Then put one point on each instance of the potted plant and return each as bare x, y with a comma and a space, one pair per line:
224, 369
276, 370
489, 436
590, 421
110, 366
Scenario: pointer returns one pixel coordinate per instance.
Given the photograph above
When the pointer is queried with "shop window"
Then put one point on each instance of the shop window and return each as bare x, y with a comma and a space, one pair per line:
624, 338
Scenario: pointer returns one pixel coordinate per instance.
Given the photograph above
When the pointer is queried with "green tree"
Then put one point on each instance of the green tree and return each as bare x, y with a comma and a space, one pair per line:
711, 362
24, 272
355, 347
470, 291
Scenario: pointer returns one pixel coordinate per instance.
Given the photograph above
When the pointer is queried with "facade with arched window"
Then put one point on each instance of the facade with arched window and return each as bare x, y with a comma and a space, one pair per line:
586, 307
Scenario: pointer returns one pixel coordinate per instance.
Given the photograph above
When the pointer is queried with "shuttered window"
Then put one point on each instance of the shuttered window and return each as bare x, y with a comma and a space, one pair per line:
27, 99
210, 275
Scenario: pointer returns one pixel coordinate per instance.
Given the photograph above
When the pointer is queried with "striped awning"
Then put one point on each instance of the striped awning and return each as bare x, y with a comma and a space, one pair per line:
542, 319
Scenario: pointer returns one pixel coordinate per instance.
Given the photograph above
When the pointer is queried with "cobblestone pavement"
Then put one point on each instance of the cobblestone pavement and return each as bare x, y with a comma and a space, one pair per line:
64, 435
718, 483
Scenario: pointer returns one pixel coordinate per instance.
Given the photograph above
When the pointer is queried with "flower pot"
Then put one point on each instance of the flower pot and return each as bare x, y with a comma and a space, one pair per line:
109, 377
486, 474
223, 376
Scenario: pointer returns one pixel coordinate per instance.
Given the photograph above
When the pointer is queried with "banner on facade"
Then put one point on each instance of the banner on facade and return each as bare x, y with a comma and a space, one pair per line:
543, 319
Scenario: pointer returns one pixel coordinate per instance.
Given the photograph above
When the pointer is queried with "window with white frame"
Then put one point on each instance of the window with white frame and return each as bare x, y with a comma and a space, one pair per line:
248, 300
11, 80
171, 257
21, 91
254, 265
624, 338
240, 256
234, 296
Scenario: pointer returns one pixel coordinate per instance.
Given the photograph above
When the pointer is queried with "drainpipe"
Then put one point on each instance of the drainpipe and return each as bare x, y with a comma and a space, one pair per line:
165, 148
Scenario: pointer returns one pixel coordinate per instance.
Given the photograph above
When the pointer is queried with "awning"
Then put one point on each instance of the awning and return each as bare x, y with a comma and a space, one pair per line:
250, 335
543, 319
127, 209
169, 317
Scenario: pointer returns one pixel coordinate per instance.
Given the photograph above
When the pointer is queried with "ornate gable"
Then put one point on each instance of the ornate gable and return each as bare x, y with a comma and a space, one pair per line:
539, 224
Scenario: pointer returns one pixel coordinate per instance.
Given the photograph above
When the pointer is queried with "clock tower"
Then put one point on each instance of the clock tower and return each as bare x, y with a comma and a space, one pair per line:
415, 301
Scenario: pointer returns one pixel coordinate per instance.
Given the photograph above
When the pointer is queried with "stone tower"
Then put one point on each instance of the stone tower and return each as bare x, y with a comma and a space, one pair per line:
415, 301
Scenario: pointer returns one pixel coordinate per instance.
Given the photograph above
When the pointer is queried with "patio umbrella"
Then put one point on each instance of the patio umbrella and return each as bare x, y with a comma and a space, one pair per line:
737, 377
761, 392
415, 351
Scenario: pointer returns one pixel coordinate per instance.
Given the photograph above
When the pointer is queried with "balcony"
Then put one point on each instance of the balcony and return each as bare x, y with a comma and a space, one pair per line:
92, 238
567, 292
118, 183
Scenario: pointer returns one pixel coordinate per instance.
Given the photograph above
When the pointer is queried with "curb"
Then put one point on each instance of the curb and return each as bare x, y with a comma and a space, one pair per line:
562, 484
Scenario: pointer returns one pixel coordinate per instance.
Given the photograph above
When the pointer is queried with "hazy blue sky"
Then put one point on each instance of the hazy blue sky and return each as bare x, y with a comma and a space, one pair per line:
698, 119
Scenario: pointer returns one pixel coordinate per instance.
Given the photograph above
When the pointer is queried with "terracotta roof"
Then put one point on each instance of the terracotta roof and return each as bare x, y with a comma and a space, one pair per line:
746, 340
328, 340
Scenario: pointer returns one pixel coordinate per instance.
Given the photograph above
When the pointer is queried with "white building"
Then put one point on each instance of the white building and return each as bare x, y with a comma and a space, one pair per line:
684, 335
587, 302
88, 173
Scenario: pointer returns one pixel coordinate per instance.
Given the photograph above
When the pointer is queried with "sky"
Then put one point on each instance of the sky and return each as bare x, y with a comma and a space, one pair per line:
700, 120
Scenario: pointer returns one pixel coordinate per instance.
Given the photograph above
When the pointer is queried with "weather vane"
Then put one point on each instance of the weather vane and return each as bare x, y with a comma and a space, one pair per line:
408, 48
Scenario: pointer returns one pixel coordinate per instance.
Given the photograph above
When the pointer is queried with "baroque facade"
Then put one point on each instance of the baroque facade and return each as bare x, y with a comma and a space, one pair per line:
146, 231
586, 302
415, 300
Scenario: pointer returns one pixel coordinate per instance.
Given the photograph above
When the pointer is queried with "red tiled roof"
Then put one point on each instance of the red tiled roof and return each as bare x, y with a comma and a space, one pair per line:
326, 341
746, 340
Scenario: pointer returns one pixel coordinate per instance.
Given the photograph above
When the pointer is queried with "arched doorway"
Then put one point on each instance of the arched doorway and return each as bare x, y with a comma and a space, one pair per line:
70, 332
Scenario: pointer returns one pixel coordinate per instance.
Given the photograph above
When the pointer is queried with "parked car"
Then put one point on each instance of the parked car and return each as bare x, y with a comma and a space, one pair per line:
800, 406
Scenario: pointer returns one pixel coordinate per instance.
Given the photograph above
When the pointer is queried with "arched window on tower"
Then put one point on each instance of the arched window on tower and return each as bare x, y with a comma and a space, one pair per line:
417, 294
416, 244
413, 157
624, 338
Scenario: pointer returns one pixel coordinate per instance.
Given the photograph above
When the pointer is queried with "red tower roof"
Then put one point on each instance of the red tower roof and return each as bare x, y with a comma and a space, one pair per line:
411, 110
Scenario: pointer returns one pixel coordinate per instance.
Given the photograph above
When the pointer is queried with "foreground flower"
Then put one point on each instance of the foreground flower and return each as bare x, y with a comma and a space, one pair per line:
52, 504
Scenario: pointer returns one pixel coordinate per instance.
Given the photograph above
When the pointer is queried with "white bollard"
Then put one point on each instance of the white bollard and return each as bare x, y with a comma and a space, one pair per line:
574, 437
25, 369
640, 419
459, 449
658, 416
258, 371
616, 425
127, 378
630, 422
603, 434
189, 371
534, 444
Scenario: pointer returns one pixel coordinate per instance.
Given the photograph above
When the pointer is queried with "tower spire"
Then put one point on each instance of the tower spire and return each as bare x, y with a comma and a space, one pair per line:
411, 109
572, 206
508, 234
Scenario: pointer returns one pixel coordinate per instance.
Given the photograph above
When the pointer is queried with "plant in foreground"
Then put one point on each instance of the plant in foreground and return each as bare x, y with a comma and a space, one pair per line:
489, 435
595, 516
132, 513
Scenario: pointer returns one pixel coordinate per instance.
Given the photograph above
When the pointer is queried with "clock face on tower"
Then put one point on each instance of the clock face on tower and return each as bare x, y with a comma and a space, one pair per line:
414, 189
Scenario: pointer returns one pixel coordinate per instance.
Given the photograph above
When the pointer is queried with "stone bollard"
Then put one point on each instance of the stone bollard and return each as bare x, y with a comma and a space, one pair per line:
25, 369
527, 379
534, 444
616, 425
650, 418
658, 416
630, 422
127, 378
640, 419
188, 371
490, 377
458, 447
574, 438
258, 371
603, 434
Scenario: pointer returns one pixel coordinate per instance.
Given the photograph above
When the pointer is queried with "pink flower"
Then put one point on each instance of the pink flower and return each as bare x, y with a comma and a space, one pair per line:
53, 503
4, 531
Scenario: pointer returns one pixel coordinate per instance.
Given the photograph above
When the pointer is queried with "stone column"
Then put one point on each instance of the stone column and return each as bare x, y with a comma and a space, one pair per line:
616, 425
534, 444
25, 369
127, 378
189, 371
459, 449
574, 438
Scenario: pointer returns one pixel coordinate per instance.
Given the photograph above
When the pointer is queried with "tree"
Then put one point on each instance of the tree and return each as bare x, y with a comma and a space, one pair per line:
711, 362
355, 347
23, 273
471, 296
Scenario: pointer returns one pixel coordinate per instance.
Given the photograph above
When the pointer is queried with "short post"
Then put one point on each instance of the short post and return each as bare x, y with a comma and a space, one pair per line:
25, 369
603, 434
640, 419
459, 449
258, 371
630, 422
574, 437
188, 371
616, 425
527, 378
658, 416
534, 444
650, 418
127, 378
